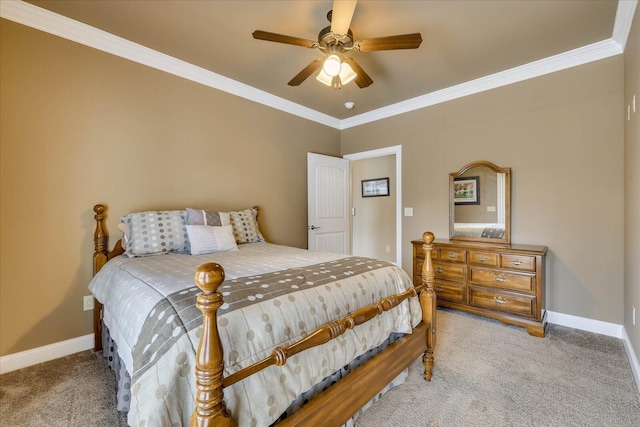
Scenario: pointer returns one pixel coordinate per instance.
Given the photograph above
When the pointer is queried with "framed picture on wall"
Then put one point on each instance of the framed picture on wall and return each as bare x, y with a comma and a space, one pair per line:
466, 190
375, 187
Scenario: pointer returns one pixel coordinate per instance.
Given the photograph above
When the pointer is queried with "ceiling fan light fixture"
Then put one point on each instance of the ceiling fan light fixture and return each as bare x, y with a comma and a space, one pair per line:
335, 40
345, 76
323, 78
346, 73
332, 65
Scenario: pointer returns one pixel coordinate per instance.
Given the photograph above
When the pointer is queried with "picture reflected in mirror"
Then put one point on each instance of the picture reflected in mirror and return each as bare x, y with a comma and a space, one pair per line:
480, 203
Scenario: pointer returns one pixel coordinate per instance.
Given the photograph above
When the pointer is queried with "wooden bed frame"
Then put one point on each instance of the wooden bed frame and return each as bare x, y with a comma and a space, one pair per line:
367, 379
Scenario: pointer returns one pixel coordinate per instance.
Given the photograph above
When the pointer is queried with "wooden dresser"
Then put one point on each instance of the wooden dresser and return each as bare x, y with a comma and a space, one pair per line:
504, 282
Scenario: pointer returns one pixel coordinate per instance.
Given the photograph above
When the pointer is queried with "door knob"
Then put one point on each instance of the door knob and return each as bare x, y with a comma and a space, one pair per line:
313, 227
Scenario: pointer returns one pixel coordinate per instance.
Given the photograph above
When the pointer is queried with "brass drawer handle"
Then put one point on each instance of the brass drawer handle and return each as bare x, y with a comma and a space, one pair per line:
438, 289
482, 259
439, 270
452, 255
500, 278
516, 262
500, 300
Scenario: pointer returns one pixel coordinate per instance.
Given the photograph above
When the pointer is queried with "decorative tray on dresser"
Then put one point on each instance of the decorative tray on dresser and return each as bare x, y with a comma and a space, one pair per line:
504, 282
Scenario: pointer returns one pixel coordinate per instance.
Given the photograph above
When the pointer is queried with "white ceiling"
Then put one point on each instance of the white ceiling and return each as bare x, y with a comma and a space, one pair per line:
466, 48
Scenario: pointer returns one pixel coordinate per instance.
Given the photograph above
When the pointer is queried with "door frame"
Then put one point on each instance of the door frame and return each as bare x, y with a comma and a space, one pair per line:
397, 151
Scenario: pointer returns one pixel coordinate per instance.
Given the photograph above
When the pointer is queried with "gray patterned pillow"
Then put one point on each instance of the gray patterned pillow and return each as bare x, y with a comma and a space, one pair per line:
156, 232
202, 217
245, 226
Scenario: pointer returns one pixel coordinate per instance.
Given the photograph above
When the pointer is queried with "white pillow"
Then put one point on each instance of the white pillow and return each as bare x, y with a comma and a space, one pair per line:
206, 239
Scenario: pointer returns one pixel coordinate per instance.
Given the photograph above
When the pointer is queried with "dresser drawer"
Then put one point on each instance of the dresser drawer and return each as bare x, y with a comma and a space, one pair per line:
502, 280
452, 255
483, 258
449, 291
518, 262
449, 272
420, 253
522, 305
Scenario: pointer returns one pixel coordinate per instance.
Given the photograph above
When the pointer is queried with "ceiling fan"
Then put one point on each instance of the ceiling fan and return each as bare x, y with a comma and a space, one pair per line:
334, 41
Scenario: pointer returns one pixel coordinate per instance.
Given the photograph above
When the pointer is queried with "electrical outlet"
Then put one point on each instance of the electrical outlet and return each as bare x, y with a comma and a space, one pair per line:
87, 302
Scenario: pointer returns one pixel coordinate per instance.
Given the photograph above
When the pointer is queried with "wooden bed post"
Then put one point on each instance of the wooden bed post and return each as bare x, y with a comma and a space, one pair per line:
100, 258
210, 409
99, 240
428, 302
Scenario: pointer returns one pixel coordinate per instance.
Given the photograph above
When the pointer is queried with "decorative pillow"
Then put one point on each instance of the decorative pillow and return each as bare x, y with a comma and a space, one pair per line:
245, 226
124, 228
156, 232
202, 217
206, 239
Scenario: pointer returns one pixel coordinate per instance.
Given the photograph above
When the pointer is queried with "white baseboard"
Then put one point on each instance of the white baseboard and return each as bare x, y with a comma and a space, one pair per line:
603, 328
584, 324
633, 360
34, 356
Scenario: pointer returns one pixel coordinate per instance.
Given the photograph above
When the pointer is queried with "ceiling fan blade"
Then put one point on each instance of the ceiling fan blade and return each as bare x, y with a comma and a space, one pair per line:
279, 38
306, 72
341, 15
405, 41
362, 79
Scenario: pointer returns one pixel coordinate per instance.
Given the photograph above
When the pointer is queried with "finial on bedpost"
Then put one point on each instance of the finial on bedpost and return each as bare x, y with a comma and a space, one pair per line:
210, 409
99, 239
427, 268
428, 302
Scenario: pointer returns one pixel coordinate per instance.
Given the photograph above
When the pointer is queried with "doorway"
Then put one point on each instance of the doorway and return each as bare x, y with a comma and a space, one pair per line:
376, 229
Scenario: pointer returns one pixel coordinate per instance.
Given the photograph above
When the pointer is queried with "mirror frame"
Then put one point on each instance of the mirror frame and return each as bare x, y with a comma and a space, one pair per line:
507, 226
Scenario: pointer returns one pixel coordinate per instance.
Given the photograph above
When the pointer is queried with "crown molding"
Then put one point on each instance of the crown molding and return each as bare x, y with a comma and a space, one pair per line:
61, 26
573, 58
624, 19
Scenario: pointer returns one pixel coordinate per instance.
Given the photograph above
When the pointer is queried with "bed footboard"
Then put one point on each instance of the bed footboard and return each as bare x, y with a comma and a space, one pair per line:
210, 382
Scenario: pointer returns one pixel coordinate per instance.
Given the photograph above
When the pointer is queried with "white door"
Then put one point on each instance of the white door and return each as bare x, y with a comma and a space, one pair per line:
328, 203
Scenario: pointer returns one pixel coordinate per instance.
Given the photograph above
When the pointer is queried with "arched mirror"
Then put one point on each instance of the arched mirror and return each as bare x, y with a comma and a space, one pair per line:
480, 203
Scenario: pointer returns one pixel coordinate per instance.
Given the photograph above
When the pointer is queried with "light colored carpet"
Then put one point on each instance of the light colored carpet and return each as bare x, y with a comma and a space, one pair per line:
486, 374
490, 374
76, 390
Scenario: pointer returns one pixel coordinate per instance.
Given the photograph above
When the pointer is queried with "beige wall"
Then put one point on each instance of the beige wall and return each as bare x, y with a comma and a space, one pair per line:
374, 224
632, 185
81, 127
561, 134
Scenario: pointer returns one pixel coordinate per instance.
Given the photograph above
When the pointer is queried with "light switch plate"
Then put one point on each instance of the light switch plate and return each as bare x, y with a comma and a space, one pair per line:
408, 211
